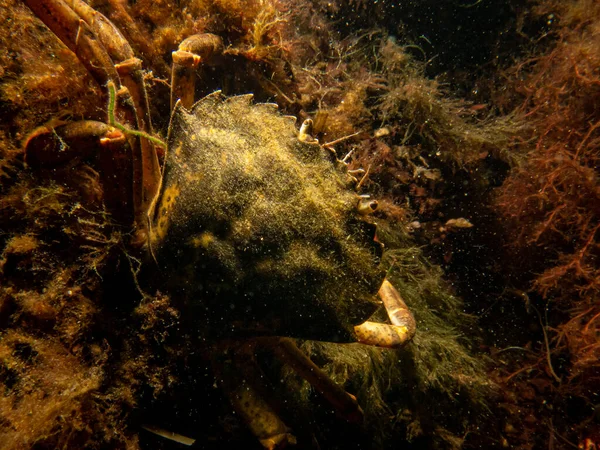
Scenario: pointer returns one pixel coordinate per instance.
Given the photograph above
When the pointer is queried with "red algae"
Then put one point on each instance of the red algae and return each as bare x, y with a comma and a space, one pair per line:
551, 202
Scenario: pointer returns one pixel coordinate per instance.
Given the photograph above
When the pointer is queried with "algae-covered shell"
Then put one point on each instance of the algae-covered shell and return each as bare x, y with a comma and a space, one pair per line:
257, 231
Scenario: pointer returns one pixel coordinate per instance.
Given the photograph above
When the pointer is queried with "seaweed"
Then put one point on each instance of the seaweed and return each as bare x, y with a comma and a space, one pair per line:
72, 297
438, 367
550, 202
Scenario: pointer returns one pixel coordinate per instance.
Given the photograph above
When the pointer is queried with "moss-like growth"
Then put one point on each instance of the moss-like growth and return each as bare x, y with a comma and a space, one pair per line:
418, 107
244, 200
422, 392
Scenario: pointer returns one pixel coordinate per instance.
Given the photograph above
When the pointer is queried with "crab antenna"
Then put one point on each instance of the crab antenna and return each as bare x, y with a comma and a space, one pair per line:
342, 139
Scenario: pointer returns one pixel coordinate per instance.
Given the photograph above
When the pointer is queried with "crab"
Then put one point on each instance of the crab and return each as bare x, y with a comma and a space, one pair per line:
254, 226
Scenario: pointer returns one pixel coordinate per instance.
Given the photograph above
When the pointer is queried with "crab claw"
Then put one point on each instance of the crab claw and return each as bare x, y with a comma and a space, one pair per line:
402, 328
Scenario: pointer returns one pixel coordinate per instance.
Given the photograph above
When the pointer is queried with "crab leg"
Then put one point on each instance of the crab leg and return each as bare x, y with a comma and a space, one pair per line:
75, 33
52, 146
68, 141
105, 53
126, 64
344, 403
260, 417
403, 326
193, 51
146, 167
264, 423
100, 47
237, 378
400, 332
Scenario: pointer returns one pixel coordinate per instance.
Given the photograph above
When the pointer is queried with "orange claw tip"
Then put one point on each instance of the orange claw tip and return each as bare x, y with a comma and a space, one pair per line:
279, 441
129, 65
186, 59
113, 135
198, 48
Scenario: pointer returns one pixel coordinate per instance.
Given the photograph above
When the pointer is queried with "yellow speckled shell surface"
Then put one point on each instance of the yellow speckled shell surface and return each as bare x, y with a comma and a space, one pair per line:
256, 231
